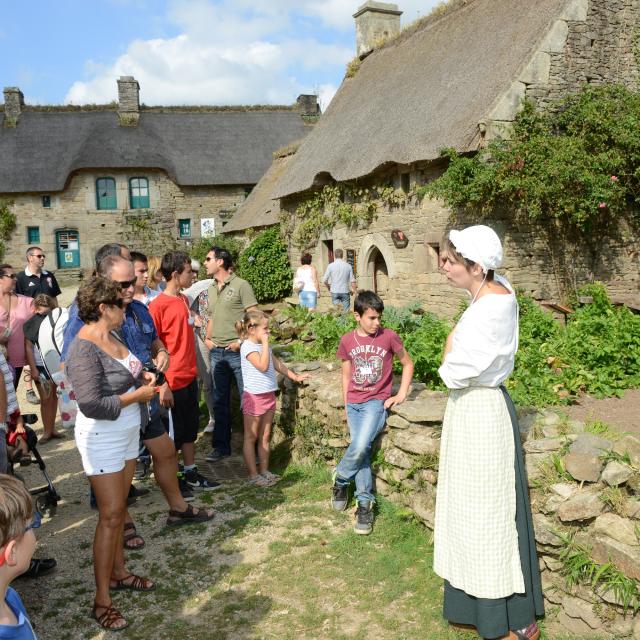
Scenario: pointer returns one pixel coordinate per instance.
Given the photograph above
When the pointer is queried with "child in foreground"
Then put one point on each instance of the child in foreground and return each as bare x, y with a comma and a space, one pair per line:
259, 367
18, 541
367, 377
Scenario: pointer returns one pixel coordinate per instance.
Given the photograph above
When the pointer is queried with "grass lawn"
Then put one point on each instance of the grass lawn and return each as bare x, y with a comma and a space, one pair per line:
278, 563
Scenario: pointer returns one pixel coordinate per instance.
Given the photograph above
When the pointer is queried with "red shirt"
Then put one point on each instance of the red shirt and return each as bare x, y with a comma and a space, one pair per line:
171, 316
371, 360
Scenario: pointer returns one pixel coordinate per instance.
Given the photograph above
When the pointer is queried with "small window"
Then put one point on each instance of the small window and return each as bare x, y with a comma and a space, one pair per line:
46, 202
184, 227
405, 182
139, 193
106, 193
33, 235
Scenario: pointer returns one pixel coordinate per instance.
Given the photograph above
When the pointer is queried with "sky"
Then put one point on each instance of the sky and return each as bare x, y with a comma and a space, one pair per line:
182, 52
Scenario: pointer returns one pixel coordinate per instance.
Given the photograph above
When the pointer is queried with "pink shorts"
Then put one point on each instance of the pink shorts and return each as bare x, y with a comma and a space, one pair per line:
257, 404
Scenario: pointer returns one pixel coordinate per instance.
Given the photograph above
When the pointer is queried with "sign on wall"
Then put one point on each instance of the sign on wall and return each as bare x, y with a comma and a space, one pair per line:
352, 260
207, 227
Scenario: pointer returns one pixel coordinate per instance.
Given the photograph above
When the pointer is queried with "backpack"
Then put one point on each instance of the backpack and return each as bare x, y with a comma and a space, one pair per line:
51, 338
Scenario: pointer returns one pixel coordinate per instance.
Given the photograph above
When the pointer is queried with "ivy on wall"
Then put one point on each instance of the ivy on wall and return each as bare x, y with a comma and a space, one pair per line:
7, 224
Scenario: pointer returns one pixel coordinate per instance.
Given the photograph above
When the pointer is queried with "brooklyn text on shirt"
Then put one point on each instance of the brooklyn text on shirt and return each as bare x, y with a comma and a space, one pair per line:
368, 349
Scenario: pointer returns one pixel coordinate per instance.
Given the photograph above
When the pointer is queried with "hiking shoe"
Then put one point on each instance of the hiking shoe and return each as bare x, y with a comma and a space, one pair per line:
209, 427
259, 481
32, 397
364, 518
339, 496
272, 478
185, 489
197, 482
215, 456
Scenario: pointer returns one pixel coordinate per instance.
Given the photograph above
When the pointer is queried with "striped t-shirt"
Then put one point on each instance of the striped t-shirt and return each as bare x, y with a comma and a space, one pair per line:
7, 374
256, 381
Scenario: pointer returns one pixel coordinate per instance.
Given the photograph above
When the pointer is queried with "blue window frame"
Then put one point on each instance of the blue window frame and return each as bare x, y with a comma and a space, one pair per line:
106, 193
184, 226
139, 193
33, 235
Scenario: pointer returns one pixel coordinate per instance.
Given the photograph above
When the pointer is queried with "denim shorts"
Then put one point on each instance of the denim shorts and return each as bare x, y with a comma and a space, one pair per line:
308, 299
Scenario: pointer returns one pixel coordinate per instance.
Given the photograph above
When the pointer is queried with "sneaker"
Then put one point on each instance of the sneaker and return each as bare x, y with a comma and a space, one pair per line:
259, 481
364, 518
215, 456
197, 482
185, 489
272, 478
339, 497
209, 427
32, 397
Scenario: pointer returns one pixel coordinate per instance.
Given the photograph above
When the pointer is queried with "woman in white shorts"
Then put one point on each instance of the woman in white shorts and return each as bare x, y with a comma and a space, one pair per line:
112, 393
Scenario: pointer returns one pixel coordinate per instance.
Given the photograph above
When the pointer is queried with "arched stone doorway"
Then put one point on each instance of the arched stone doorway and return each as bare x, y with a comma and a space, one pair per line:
377, 267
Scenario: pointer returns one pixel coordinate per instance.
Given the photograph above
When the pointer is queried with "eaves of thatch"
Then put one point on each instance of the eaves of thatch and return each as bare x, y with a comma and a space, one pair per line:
428, 89
194, 148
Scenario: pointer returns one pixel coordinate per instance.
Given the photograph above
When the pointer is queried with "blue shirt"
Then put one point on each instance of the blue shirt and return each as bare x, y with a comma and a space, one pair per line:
138, 330
21, 631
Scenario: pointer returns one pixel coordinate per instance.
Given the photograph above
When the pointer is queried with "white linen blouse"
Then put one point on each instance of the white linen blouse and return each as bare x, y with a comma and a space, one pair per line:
485, 342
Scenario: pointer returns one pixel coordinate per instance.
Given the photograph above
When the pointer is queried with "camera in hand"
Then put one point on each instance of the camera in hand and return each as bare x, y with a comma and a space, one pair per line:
151, 368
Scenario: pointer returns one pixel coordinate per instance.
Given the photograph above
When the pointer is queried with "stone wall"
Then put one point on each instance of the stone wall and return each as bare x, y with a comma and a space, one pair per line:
545, 266
596, 500
153, 231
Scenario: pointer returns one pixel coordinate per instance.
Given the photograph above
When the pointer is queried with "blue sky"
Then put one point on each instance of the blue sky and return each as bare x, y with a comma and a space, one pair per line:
181, 51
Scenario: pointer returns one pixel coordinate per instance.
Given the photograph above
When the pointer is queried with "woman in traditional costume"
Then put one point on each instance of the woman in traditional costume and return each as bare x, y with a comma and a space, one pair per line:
484, 538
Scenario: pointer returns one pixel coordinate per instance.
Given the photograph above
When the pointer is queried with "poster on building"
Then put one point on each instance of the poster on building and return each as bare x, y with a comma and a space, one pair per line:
207, 227
353, 261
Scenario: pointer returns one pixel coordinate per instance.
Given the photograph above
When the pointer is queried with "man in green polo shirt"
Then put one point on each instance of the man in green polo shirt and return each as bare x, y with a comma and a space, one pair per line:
229, 298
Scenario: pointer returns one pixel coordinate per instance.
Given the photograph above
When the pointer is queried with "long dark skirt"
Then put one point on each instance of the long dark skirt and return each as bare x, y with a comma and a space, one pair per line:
495, 618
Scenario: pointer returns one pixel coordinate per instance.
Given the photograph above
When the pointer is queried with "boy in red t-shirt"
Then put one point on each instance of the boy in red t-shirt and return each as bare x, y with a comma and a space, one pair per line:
174, 324
367, 376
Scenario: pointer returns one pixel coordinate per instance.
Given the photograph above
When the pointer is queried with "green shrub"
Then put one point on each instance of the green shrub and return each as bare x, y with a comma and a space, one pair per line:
265, 265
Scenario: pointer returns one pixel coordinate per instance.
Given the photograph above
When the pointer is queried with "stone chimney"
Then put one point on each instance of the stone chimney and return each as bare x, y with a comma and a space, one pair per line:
308, 104
13, 103
375, 22
128, 101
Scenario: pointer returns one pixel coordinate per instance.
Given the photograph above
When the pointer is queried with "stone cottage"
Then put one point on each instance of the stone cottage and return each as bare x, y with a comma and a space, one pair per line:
153, 177
456, 78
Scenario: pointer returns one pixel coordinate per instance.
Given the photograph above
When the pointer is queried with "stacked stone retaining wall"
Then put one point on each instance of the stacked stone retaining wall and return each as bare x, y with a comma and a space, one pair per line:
585, 490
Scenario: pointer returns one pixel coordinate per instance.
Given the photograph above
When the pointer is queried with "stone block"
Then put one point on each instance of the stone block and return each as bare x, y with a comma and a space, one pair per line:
591, 444
625, 557
634, 483
613, 526
615, 473
397, 422
630, 445
424, 506
563, 489
543, 445
398, 458
545, 530
574, 625
583, 466
556, 39
417, 440
582, 506
579, 609
427, 407
632, 508
537, 71
428, 475
338, 443
392, 474
576, 11
510, 103
552, 504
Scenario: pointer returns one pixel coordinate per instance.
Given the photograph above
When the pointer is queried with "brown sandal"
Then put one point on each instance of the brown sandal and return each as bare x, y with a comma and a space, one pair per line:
132, 535
108, 617
189, 516
132, 582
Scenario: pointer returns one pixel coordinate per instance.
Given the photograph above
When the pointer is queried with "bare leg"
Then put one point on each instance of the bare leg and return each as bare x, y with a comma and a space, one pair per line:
251, 426
165, 469
48, 409
264, 437
118, 563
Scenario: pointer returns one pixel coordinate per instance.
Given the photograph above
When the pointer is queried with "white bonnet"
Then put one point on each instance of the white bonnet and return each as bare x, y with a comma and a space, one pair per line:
479, 244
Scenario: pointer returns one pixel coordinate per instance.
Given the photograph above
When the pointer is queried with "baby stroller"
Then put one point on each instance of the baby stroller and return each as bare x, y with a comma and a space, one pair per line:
46, 497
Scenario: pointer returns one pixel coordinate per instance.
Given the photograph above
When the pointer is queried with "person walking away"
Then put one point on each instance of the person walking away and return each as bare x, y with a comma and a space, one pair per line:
259, 367
484, 539
340, 281
229, 298
18, 522
173, 321
44, 384
367, 355
305, 282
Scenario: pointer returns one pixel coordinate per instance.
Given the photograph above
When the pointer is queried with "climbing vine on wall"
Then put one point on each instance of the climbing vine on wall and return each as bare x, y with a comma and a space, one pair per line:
578, 164
355, 207
7, 224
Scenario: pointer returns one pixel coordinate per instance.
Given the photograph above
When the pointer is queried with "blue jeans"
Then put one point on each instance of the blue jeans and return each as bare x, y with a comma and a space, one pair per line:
343, 298
366, 421
224, 365
308, 299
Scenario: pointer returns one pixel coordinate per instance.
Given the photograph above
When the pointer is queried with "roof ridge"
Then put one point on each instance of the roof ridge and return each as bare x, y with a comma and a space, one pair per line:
113, 106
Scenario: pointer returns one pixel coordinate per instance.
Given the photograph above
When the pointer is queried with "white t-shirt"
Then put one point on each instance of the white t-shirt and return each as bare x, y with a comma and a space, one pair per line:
256, 381
305, 275
484, 343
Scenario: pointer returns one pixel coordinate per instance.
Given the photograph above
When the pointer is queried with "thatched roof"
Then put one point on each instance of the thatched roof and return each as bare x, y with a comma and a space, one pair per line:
426, 90
194, 148
260, 209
